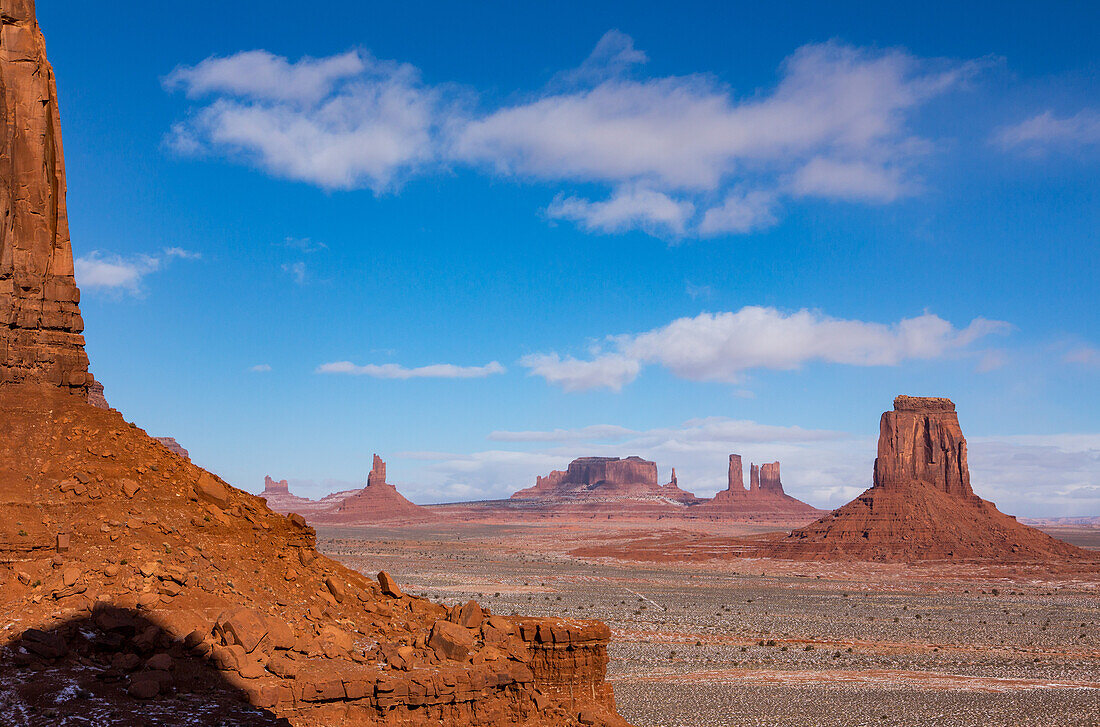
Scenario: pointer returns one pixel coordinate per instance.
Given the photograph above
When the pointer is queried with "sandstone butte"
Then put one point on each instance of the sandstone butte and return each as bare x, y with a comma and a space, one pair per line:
161, 594
378, 502
921, 506
765, 496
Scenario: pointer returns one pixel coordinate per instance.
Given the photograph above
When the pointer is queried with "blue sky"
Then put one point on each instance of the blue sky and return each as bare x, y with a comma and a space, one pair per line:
482, 241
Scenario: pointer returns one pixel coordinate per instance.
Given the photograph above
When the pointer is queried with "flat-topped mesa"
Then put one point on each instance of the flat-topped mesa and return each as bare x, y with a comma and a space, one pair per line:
769, 478
40, 322
921, 441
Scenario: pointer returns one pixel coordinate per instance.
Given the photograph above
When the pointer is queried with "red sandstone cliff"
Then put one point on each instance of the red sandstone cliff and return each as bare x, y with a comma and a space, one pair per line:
149, 587
40, 322
921, 506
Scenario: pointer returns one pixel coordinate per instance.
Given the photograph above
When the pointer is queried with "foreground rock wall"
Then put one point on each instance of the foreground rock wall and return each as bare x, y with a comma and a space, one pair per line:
40, 322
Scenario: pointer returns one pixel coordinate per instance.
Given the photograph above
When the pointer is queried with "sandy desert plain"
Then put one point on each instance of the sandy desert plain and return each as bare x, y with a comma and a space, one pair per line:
749, 641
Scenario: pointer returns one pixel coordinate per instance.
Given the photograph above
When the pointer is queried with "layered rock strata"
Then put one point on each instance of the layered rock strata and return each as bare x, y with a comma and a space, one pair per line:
40, 322
604, 478
921, 506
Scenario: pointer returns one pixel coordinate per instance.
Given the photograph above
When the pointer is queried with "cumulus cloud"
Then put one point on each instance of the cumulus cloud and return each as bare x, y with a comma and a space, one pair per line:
850, 180
1048, 131
396, 371
628, 208
722, 346
341, 122
610, 371
836, 124
742, 212
120, 274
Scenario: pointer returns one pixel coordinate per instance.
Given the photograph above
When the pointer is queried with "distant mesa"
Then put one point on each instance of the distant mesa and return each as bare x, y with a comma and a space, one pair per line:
764, 497
173, 446
603, 478
379, 501
921, 506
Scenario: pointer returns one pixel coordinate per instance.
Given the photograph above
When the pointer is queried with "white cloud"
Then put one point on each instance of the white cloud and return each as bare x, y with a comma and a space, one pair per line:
115, 273
396, 371
850, 180
609, 371
296, 270
742, 212
1084, 356
836, 124
722, 346
628, 208
1046, 130
342, 122
182, 254
260, 368
260, 75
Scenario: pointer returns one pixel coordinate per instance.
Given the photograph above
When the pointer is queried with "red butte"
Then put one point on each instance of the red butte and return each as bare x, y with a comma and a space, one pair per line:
921, 506
156, 589
763, 499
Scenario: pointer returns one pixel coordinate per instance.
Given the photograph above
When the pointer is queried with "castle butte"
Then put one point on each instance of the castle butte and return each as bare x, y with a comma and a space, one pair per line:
161, 595
921, 505
378, 502
765, 496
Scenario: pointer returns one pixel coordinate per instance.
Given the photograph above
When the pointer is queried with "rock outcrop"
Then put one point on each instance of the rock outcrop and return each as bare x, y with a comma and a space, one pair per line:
40, 322
378, 502
130, 575
921, 506
280, 499
604, 478
764, 499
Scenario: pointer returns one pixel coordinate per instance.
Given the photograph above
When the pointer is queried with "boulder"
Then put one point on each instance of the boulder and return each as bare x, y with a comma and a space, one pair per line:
451, 641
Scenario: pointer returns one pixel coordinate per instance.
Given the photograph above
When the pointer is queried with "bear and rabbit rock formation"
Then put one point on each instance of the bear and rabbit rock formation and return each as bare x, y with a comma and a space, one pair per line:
128, 573
921, 506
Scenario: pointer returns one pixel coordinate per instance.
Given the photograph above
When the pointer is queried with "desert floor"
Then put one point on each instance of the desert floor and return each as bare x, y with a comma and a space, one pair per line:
754, 642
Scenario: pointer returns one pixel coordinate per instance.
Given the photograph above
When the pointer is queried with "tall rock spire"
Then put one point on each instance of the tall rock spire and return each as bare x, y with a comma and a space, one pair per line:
736, 476
40, 323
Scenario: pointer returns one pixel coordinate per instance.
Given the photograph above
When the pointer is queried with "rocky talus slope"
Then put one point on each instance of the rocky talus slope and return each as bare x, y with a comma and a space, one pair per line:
921, 506
130, 574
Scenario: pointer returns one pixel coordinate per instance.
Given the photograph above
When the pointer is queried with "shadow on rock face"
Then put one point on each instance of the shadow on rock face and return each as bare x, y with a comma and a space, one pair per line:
117, 666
